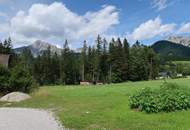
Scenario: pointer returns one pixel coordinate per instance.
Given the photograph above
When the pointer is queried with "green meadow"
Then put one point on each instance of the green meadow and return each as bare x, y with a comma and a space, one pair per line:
104, 107
181, 62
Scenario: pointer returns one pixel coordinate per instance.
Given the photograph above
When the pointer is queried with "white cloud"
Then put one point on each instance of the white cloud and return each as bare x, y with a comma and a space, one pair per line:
185, 28
151, 29
56, 21
2, 14
4, 28
159, 4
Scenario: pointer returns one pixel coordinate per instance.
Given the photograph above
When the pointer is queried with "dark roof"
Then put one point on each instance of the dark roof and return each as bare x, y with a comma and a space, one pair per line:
4, 59
163, 74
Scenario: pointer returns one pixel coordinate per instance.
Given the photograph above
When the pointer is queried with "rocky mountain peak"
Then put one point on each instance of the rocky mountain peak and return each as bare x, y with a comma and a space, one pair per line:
183, 40
39, 46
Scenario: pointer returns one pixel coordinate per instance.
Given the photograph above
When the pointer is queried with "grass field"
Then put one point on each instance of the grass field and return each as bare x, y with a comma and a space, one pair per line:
105, 107
181, 62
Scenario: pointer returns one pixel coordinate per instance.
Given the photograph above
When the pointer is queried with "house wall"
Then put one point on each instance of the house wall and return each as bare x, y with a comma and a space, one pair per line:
4, 60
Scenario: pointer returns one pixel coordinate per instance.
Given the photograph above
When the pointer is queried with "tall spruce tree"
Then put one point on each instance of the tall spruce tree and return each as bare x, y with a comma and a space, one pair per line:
111, 59
84, 61
6, 46
152, 63
90, 64
125, 67
117, 59
64, 62
47, 70
94, 64
68, 65
1, 47
42, 67
55, 62
98, 58
26, 59
104, 62
38, 69
138, 69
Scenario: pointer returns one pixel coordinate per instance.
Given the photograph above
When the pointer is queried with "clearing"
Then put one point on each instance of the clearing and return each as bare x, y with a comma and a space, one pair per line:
104, 107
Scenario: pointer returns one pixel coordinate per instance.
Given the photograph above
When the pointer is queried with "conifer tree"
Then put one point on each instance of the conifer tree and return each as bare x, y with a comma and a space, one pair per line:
98, 58
117, 60
111, 59
6, 46
94, 64
125, 67
64, 62
138, 63
55, 68
83, 61
90, 64
104, 62
26, 59
68, 65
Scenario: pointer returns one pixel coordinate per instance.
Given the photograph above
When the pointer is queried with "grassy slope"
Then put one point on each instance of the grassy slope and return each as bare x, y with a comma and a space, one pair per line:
97, 108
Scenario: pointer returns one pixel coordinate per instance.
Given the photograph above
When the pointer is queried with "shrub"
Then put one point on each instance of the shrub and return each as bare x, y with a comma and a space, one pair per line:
169, 97
18, 79
21, 80
4, 78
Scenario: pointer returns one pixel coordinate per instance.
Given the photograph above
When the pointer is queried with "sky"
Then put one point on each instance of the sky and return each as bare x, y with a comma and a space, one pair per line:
54, 21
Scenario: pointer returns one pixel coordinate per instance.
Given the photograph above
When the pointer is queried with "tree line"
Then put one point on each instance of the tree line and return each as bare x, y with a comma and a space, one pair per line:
16, 77
107, 62
6, 47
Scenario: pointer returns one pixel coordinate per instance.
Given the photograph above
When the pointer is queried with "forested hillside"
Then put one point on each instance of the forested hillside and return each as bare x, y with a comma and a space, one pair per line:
171, 51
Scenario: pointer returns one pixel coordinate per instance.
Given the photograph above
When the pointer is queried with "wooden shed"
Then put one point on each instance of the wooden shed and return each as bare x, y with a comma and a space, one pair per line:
4, 59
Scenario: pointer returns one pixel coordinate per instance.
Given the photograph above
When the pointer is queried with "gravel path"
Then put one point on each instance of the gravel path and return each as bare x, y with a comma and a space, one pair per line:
27, 119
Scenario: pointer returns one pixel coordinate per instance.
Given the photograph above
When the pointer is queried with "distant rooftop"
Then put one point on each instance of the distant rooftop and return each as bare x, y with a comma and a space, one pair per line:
4, 59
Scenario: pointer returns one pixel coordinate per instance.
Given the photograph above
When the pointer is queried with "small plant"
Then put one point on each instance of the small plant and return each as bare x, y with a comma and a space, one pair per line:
169, 97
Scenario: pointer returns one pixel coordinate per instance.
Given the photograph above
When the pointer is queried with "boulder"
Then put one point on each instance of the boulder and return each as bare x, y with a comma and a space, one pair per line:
15, 97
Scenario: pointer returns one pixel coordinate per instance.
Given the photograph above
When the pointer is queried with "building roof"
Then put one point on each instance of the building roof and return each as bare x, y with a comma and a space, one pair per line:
4, 59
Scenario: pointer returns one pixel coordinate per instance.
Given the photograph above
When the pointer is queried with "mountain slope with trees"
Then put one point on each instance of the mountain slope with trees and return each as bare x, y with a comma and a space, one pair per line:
172, 51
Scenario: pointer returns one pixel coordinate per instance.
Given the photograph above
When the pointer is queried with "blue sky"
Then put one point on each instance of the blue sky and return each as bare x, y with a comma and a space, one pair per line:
54, 21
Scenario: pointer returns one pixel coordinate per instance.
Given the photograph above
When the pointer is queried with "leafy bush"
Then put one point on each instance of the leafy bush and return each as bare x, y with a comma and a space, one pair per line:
170, 97
21, 80
4, 78
18, 79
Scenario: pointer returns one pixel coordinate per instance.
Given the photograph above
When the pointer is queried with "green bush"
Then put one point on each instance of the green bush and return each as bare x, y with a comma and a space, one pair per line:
169, 97
21, 80
17, 79
4, 78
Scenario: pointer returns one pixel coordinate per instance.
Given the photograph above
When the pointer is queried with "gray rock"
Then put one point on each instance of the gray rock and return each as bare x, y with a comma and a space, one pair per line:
183, 40
15, 97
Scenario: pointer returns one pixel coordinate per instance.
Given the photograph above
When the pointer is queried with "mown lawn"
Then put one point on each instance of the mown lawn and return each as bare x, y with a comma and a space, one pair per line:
105, 107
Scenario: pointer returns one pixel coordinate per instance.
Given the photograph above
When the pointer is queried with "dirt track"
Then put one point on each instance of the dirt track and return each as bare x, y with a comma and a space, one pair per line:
27, 119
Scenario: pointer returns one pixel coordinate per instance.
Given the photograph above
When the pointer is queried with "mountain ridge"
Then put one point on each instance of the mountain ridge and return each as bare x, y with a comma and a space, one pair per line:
39, 46
171, 51
183, 40
165, 48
